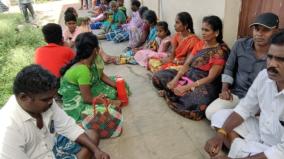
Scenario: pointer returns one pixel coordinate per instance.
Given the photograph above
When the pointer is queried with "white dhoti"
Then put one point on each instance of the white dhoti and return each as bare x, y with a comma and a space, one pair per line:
241, 148
249, 130
220, 104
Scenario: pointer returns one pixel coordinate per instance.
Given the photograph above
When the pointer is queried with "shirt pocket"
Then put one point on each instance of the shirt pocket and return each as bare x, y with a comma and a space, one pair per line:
245, 64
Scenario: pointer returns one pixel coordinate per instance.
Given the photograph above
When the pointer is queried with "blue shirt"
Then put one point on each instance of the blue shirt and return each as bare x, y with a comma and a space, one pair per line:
242, 67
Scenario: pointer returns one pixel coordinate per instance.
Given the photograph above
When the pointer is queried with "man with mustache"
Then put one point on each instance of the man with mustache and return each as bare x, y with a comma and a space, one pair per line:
255, 128
246, 60
31, 120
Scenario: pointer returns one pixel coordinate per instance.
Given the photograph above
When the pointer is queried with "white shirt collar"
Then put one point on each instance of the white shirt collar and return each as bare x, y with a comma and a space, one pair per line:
274, 87
23, 115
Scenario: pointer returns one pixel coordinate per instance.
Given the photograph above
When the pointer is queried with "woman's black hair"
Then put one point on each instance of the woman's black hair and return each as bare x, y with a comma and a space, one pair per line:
165, 26
85, 44
216, 24
142, 10
186, 19
151, 17
34, 79
70, 17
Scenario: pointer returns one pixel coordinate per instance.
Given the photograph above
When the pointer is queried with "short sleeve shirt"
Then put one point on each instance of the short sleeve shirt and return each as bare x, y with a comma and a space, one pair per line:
53, 57
79, 75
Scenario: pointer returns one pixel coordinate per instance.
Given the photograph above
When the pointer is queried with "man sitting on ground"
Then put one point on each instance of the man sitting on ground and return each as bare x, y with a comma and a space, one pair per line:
246, 60
31, 119
255, 128
54, 55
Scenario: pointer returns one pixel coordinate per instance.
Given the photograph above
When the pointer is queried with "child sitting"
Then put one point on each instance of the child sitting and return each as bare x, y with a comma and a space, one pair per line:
71, 10
54, 55
84, 24
160, 48
122, 34
71, 31
99, 17
151, 20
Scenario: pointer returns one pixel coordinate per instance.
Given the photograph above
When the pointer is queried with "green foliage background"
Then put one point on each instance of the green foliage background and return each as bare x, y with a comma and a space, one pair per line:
16, 50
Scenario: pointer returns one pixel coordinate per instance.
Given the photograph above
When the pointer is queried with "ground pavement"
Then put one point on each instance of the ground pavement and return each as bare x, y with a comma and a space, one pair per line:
150, 129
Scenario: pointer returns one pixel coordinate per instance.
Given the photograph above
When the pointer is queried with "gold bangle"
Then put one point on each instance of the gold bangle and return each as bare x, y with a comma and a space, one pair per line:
222, 131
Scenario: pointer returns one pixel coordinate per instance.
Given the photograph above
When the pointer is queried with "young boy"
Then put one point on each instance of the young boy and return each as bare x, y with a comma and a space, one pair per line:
72, 31
31, 120
54, 55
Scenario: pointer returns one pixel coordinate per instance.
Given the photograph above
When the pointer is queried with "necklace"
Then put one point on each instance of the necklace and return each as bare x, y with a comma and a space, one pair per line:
211, 46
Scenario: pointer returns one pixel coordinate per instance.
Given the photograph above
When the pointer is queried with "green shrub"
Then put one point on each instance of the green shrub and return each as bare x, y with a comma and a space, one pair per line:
16, 50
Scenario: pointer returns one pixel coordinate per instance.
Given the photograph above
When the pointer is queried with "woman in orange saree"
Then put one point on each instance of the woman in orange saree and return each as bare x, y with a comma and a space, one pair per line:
182, 43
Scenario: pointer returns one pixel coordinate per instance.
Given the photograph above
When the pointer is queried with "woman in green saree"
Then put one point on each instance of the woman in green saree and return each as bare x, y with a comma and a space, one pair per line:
83, 82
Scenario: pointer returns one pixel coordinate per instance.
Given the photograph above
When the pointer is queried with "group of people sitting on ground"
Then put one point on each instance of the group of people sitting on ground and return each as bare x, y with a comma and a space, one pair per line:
240, 90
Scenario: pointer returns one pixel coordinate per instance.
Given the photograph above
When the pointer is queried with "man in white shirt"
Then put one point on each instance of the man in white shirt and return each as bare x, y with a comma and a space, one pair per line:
31, 121
255, 129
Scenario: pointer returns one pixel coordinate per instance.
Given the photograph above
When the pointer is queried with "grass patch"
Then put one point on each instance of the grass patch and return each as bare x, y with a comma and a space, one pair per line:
16, 50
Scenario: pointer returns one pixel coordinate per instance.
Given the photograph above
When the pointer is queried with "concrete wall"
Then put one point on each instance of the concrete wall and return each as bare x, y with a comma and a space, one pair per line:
227, 10
231, 20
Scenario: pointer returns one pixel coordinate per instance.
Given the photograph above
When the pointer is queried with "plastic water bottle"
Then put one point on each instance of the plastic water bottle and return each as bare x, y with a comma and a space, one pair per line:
121, 90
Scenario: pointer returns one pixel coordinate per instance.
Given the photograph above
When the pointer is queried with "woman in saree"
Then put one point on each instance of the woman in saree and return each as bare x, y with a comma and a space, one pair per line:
138, 33
84, 86
182, 44
151, 20
189, 90
118, 18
